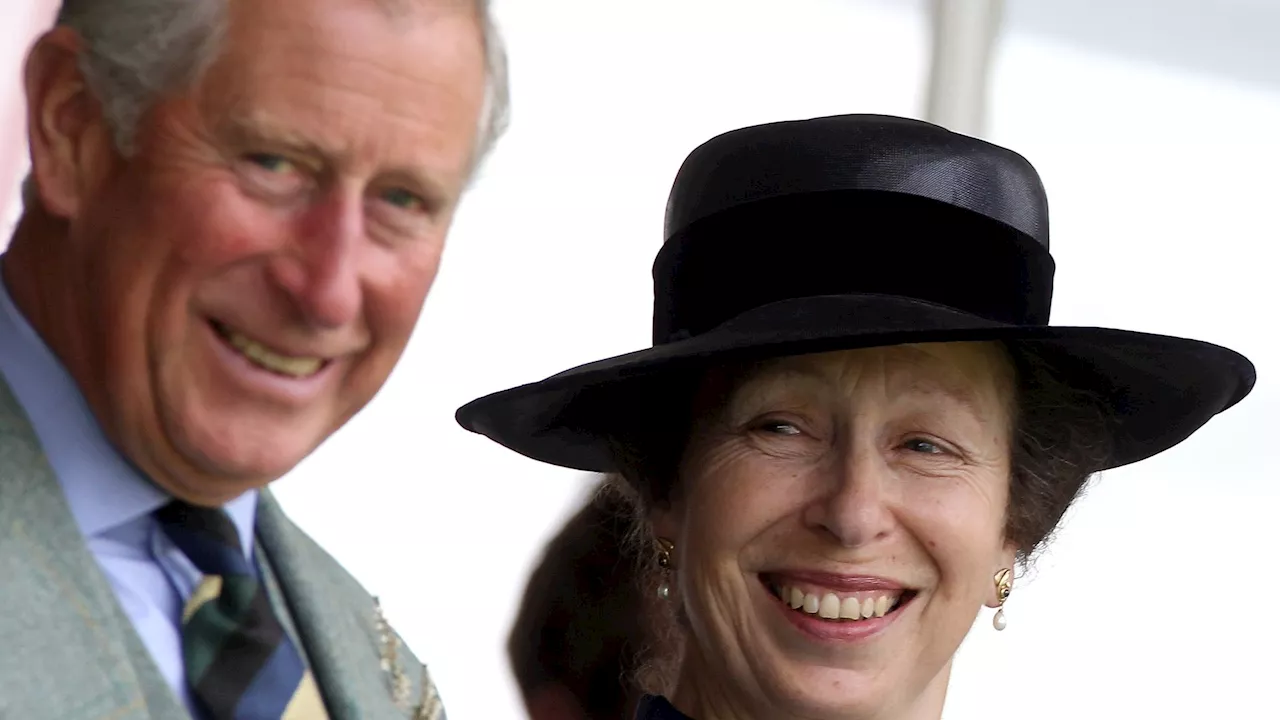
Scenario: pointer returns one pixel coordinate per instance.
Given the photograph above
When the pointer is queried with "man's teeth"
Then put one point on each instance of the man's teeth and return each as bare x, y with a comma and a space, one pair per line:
830, 606
258, 354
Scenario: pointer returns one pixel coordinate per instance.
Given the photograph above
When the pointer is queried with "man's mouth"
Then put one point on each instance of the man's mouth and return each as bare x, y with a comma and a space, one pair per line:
834, 605
266, 358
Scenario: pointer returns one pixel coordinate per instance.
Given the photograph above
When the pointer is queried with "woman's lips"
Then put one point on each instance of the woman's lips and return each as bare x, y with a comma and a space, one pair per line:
834, 581
837, 598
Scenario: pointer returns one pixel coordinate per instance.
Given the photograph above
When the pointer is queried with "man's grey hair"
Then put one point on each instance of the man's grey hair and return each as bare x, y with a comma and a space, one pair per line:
137, 51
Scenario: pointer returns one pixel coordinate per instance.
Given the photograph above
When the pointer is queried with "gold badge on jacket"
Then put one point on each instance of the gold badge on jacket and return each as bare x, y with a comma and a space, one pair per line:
430, 707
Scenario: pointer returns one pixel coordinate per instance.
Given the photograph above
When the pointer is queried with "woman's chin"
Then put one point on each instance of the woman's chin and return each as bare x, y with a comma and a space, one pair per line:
815, 692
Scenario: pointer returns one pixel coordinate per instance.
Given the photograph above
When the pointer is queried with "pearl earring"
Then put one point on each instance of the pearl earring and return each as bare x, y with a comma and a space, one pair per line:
1004, 586
665, 548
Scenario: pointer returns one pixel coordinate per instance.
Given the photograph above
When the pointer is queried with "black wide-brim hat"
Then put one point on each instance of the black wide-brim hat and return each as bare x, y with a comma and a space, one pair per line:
850, 232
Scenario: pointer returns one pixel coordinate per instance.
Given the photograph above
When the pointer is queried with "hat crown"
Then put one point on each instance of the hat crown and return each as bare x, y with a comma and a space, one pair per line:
852, 204
858, 153
852, 232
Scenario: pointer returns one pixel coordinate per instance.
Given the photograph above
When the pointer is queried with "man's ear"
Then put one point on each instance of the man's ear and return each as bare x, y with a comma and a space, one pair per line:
65, 128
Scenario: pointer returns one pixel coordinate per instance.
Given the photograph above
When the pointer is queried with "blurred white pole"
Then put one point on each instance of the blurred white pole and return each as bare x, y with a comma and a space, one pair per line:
964, 37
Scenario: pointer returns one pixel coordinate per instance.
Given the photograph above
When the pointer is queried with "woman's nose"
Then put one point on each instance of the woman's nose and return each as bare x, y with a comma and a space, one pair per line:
853, 508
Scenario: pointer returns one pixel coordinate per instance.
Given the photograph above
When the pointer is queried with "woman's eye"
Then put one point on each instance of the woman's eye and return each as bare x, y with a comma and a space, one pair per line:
777, 427
923, 446
271, 163
403, 199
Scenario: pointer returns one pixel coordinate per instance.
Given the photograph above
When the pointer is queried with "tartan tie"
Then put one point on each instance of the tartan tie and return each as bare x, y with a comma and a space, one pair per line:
240, 664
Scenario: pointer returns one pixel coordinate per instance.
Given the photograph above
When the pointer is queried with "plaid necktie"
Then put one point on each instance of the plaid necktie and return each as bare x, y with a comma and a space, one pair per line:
240, 664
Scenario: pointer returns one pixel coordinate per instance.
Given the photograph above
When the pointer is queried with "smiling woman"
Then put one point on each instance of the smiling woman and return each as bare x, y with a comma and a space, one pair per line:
976, 449
855, 422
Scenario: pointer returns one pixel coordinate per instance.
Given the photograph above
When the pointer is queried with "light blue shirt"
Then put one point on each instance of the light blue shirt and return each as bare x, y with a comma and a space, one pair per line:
110, 499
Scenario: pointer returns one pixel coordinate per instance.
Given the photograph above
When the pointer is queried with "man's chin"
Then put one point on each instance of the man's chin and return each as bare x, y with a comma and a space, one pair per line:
225, 466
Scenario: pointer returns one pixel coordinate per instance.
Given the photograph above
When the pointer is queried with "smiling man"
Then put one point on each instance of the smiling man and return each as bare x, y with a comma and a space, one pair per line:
235, 213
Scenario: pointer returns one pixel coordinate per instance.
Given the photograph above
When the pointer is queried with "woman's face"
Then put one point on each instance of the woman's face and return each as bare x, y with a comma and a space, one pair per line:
832, 487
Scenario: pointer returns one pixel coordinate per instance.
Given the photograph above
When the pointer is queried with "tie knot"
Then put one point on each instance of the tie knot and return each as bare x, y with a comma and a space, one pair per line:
206, 536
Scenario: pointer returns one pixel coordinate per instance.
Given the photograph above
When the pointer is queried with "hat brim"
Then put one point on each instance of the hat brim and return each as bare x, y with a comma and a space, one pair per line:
1156, 389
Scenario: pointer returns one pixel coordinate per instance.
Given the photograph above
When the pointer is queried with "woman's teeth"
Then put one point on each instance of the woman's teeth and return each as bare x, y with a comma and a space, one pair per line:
830, 606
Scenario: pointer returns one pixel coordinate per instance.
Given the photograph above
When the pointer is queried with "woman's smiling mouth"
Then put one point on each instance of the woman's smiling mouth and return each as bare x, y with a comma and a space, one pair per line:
839, 600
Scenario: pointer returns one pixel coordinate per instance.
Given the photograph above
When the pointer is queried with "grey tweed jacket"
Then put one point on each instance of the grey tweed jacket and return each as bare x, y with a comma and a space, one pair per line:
68, 652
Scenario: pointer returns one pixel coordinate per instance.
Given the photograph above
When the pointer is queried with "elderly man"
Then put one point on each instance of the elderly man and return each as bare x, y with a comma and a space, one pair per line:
235, 212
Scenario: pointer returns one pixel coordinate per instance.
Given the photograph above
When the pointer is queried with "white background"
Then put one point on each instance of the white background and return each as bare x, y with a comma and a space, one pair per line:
1157, 598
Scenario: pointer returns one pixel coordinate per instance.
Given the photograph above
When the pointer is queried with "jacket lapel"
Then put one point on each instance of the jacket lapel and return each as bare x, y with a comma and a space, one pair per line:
336, 621
68, 650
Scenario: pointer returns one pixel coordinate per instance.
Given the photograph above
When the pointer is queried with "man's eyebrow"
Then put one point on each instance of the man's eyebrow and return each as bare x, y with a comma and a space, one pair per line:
248, 129
251, 128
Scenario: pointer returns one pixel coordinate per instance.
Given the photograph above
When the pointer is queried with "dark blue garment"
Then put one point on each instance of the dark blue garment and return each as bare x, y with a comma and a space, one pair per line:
656, 707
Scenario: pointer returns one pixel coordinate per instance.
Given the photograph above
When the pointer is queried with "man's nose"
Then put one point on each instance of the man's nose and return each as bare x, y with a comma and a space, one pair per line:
320, 271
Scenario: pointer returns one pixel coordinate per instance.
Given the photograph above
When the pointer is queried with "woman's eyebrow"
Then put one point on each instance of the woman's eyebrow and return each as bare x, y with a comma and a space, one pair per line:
959, 393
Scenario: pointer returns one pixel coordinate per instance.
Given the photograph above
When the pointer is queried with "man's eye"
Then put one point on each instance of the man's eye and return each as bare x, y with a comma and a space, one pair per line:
271, 163
403, 199
923, 446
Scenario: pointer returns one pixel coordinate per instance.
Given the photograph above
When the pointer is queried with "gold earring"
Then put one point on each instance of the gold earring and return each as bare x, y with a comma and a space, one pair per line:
665, 548
1004, 586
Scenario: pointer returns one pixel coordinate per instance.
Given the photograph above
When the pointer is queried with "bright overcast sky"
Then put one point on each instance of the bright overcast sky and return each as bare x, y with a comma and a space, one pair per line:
1156, 600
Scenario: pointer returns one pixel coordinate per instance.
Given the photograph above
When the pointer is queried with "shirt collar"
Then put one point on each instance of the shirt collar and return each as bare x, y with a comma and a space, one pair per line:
103, 490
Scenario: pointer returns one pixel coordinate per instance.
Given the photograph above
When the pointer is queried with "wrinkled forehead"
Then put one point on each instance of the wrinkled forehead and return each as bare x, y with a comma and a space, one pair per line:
392, 9
345, 72
978, 377
439, 43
